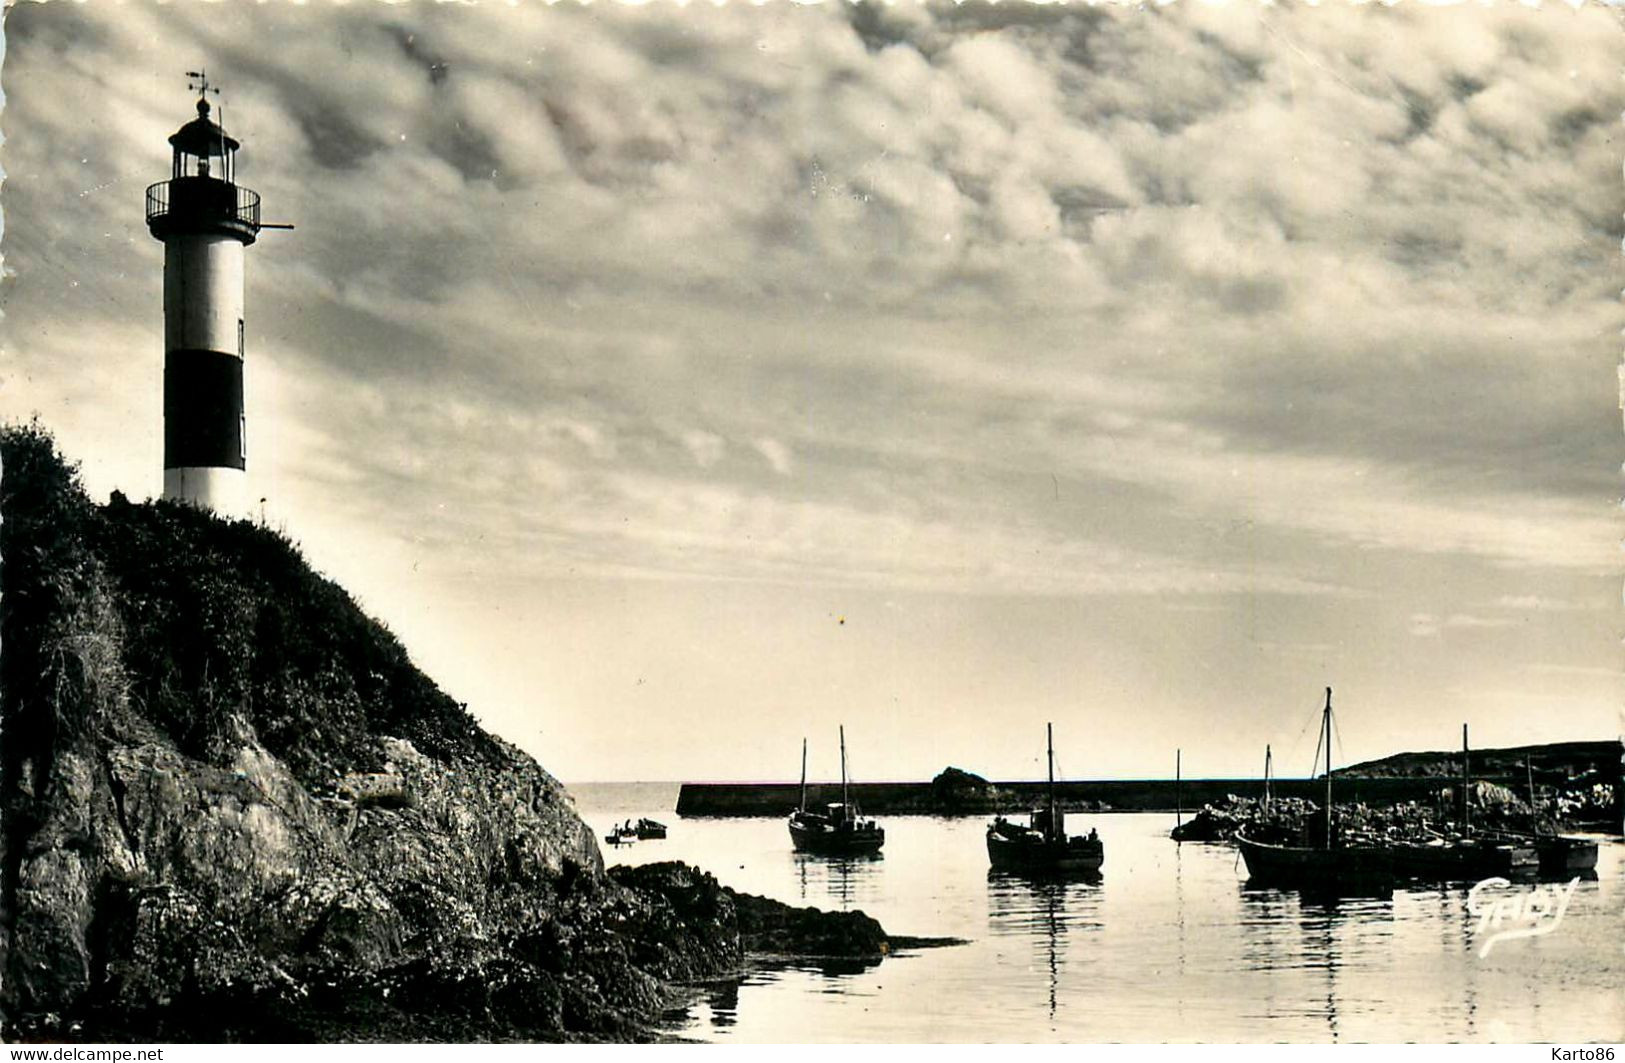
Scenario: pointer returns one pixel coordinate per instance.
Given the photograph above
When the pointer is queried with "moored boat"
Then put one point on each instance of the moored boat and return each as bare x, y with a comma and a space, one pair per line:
837, 829
1338, 869
1469, 855
1336, 865
647, 829
1565, 854
1559, 855
1043, 845
1463, 859
1556, 855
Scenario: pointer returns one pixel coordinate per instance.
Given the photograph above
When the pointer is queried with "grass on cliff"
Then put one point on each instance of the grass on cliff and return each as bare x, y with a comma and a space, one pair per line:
190, 620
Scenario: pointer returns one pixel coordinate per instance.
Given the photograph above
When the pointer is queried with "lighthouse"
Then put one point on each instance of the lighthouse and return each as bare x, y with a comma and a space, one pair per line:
205, 220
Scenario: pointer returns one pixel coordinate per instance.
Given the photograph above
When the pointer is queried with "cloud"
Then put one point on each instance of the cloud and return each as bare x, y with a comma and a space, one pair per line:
989, 173
1429, 625
1536, 603
775, 453
1195, 301
706, 447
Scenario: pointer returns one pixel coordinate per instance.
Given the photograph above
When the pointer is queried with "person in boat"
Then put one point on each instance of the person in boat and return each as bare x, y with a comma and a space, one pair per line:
1094, 835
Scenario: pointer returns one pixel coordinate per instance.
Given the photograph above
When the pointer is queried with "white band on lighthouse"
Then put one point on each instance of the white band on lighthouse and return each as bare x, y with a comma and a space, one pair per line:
203, 292
222, 491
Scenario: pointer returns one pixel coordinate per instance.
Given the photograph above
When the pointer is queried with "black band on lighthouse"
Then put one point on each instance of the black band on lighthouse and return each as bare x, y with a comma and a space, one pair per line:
203, 410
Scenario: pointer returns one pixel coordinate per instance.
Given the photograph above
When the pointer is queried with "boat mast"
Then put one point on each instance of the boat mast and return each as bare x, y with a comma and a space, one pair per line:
1529, 777
1179, 798
1466, 798
844, 802
1266, 777
1327, 719
1049, 735
803, 774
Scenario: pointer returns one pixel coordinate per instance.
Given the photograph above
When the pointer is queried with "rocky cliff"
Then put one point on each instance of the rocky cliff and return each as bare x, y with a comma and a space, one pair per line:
234, 810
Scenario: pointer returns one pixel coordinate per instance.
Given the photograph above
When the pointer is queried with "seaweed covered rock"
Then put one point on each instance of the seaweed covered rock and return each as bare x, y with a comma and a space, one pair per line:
685, 924
1287, 819
689, 908
1212, 823
769, 928
1284, 819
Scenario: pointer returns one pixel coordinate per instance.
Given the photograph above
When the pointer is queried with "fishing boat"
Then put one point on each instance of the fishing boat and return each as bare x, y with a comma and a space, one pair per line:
1558, 855
648, 828
1463, 859
1338, 869
1334, 865
622, 834
1466, 856
1562, 855
837, 829
1043, 845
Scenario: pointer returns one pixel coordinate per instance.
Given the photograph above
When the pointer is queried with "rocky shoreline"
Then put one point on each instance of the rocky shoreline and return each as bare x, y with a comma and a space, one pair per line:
658, 933
233, 810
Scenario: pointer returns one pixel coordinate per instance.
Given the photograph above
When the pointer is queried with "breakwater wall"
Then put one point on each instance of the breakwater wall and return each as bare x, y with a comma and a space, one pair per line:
1126, 795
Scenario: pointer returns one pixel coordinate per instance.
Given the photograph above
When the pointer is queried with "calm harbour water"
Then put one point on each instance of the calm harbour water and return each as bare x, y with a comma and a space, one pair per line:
1170, 945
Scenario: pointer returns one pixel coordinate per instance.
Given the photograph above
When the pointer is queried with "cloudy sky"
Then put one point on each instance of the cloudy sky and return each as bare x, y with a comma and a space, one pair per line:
677, 382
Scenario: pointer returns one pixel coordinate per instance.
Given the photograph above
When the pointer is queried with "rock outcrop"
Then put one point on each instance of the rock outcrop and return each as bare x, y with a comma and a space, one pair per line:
234, 810
700, 919
955, 791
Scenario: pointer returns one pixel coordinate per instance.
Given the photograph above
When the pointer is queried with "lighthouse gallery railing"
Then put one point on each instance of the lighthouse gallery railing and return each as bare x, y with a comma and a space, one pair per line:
203, 198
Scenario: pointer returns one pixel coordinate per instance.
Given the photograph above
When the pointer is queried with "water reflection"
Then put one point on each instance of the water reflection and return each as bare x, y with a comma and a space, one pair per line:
843, 879
1043, 909
716, 1004
1179, 902
1464, 945
1320, 936
1285, 930
832, 968
719, 1004
1263, 913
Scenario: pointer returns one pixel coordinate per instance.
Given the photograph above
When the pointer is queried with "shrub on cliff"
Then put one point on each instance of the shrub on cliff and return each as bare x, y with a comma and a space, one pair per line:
47, 578
213, 619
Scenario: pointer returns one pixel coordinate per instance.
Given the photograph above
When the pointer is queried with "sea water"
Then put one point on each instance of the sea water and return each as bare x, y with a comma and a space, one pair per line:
1169, 945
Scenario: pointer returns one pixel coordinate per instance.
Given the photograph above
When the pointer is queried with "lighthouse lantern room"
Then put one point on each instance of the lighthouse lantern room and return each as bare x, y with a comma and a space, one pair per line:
205, 220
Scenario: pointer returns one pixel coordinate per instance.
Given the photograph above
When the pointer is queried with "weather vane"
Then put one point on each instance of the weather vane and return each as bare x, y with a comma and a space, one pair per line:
199, 80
